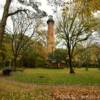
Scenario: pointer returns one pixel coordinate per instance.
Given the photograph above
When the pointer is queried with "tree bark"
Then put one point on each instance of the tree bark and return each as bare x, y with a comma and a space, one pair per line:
70, 65
3, 20
70, 61
3, 25
14, 63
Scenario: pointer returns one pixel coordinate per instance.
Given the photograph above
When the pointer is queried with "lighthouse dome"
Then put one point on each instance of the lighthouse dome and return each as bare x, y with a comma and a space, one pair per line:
50, 19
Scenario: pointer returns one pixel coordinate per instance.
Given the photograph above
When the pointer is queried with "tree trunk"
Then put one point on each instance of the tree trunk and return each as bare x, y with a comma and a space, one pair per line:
86, 68
70, 65
4, 20
70, 61
14, 63
1, 37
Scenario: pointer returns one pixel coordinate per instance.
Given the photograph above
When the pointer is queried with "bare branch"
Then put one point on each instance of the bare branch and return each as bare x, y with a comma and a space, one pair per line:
17, 11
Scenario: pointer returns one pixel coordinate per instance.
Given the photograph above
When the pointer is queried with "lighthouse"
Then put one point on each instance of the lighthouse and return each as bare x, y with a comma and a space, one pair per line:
50, 35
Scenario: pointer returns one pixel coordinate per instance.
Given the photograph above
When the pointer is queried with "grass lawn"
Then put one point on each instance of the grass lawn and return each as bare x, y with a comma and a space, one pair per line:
51, 84
57, 76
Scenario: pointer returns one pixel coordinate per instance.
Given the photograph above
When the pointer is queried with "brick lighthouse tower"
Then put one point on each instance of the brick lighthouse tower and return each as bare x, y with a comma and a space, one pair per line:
51, 35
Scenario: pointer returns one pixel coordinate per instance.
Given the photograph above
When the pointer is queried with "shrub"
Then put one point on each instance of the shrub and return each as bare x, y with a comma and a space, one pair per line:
7, 71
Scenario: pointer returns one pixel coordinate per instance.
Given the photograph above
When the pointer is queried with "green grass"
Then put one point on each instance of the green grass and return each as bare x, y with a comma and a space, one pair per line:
57, 76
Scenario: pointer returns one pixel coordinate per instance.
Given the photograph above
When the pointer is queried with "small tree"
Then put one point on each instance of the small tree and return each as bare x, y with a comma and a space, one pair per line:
72, 31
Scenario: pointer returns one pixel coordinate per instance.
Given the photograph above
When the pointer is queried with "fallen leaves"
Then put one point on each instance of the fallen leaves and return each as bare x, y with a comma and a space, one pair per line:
77, 93
12, 90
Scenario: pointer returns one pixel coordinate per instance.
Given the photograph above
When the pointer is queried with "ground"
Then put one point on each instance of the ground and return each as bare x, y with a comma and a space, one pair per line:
51, 84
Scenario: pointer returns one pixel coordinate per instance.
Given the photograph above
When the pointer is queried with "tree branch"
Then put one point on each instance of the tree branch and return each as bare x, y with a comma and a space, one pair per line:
17, 11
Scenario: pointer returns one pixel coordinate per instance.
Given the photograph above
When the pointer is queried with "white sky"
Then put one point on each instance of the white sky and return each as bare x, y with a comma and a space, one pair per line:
44, 6
15, 4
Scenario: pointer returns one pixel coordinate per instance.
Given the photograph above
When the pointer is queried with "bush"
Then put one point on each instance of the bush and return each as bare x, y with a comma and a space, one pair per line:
7, 71
40, 62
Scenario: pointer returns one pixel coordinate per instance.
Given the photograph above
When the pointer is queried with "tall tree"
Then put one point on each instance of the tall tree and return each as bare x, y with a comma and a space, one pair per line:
87, 8
90, 5
6, 13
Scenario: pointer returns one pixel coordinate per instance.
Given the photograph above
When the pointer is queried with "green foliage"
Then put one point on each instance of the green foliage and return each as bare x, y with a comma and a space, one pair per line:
58, 58
87, 7
31, 58
85, 57
28, 58
6, 52
40, 62
59, 55
2, 56
89, 56
98, 59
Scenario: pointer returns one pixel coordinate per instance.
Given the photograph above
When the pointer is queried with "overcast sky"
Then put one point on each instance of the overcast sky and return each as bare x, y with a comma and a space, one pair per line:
44, 6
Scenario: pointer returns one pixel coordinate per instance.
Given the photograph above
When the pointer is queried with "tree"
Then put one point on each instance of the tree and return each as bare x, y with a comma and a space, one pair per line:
7, 13
87, 9
87, 6
24, 29
32, 57
85, 58
28, 57
73, 31
98, 59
